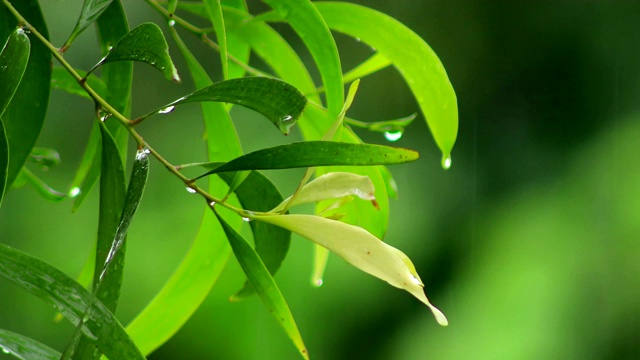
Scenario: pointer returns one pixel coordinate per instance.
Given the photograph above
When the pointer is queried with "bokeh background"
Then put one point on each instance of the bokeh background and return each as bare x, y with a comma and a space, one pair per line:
529, 243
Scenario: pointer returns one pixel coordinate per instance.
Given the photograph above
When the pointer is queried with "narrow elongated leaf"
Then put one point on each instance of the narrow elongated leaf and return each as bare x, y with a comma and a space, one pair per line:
258, 193
112, 199
26, 348
413, 58
214, 10
45, 157
24, 117
372, 65
208, 254
265, 286
91, 10
65, 295
41, 187
4, 160
310, 26
280, 102
145, 43
332, 186
317, 153
89, 169
359, 248
13, 62
62, 80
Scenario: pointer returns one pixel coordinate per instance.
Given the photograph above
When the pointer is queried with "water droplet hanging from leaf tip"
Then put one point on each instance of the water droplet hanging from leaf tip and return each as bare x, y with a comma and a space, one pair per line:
167, 110
394, 135
446, 161
74, 192
172, 23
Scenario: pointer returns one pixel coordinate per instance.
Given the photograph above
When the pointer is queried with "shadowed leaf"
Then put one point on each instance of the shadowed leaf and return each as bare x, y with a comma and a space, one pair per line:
264, 285
26, 348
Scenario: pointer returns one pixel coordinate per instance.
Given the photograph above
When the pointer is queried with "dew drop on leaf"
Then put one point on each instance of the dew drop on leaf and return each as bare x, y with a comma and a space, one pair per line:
5, 350
394, 135
446, 161
74, 192
167, 110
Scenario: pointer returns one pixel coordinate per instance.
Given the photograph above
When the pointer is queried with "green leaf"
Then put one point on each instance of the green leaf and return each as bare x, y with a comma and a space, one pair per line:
13, 62
4, 160
280, 102
264, 285
65, 295
89, 169
91, 10
62, 80
112, 200
24, 117
307, 22
45, 157
41, 187
145, 43
413, 58
258, 193
171, 6
208, 254
214, 10
359, 248
332, 186
373, 64
317, 153
24, 347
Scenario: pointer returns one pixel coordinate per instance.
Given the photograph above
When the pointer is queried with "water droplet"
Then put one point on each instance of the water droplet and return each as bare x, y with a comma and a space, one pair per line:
103, 115
318, 282
167, 110
141, 154
285, 123
358, 39
74, 192
246, 219
172, 23
147, 151
393, 135
5, 350
191, 190
446, 161
212, 204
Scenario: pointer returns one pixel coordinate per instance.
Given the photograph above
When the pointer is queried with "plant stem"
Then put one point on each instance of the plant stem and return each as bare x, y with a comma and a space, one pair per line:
123, 120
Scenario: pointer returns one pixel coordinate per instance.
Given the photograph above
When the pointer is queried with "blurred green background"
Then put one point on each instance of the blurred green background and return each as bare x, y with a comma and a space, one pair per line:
529, 243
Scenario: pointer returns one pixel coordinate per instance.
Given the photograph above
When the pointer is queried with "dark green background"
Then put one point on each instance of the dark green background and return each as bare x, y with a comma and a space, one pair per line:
529, 243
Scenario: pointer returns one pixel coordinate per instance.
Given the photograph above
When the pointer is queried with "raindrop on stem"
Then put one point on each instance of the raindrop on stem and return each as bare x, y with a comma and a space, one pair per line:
167, 110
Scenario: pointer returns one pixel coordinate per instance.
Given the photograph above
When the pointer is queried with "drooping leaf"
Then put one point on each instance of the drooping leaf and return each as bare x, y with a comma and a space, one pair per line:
413, 58
258, 193
13, 62
62, 80
214, 10
41, 187
144, 43
280, 102
264, 285
112, 199
91, 10
117, 78
65, 295
317, 153
189, 285
24, 117
359, 248
332, 186
307, 22
25, 348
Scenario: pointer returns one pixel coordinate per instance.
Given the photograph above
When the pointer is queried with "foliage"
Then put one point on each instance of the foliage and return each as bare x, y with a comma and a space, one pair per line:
352, 203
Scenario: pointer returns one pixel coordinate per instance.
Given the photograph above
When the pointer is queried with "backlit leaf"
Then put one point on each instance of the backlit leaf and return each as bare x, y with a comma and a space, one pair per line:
280, 102
413, 58
264, 285
359, 248
214, 10
332, 186
317, 153
70, 298
144, 43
